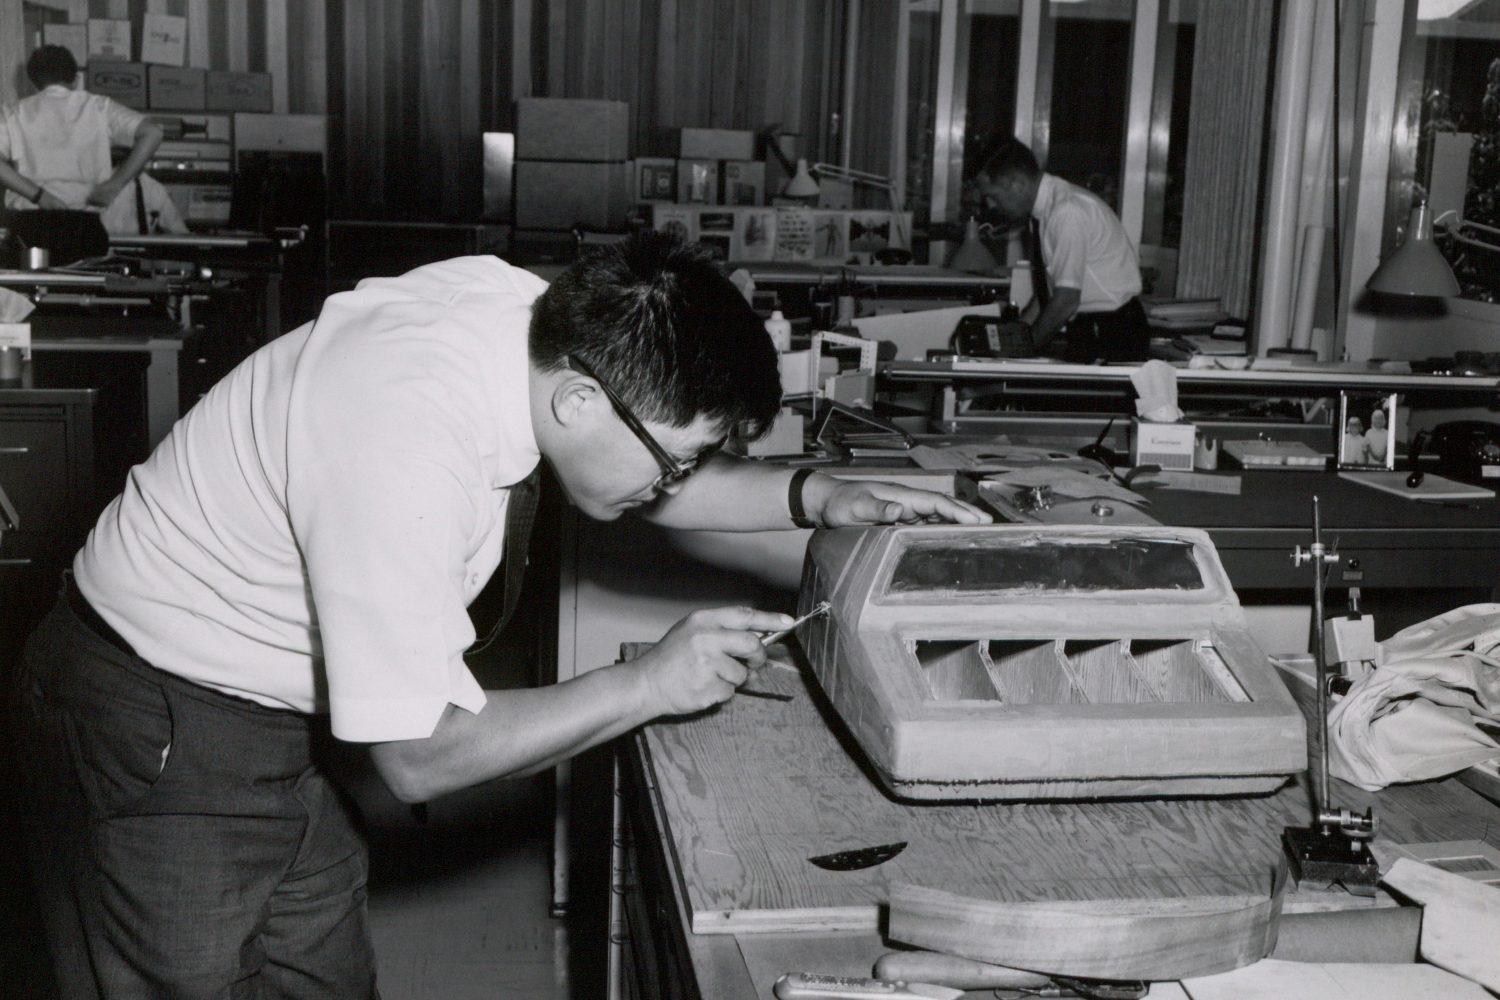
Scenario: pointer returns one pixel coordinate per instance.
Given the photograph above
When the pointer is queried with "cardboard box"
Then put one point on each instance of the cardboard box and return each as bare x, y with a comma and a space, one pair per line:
744, 182
227, 91
121, 81
172, 88
716, 144
561, 194
1167, 445
554, 128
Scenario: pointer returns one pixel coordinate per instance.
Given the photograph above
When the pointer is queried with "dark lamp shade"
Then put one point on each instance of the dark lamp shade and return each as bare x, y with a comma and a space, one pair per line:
972, 255
1417, 267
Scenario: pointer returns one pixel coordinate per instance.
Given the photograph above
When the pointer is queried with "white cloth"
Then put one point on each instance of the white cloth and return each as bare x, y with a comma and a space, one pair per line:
1413, 718
60, 139
1084, 246
310, 534
121, 216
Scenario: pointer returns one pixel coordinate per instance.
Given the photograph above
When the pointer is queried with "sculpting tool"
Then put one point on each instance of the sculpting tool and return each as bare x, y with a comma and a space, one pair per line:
821, 609
767, 639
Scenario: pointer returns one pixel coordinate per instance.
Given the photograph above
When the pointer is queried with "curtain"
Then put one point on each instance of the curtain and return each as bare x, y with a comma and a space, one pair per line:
1226, 129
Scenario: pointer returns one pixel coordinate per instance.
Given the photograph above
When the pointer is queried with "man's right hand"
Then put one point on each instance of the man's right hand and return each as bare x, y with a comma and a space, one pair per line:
50, 200
705, 657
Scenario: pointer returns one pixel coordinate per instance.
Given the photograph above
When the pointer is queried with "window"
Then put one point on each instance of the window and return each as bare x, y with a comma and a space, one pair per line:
1057, 73
1446, 143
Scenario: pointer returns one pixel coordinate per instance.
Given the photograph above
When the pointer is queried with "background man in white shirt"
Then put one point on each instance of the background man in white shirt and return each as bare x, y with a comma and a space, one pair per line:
1093, 273
55, 144
295, 560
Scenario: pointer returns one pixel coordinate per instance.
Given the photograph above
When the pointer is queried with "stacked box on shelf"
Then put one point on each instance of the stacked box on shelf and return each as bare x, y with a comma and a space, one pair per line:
571, 165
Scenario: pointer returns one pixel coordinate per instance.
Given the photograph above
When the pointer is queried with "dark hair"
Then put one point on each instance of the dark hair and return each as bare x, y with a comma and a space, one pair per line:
673, 337
51, 64
1011, 157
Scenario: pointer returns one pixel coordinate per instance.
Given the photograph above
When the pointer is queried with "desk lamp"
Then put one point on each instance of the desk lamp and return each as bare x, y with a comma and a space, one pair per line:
1417, 268
802, 184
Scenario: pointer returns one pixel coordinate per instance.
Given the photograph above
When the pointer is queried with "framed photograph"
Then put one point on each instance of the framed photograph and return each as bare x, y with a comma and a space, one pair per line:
655, 180
1367, 430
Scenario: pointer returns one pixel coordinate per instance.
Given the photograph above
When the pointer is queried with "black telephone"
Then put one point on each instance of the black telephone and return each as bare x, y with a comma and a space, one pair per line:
1468, 450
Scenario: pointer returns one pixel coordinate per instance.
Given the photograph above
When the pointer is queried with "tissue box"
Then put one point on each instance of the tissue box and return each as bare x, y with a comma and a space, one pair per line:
1167, 445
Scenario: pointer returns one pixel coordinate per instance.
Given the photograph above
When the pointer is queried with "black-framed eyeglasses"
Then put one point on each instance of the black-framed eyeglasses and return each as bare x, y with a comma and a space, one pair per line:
672, 470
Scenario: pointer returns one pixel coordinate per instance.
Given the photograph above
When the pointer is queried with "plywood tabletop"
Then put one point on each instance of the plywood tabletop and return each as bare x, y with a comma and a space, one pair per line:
747, 793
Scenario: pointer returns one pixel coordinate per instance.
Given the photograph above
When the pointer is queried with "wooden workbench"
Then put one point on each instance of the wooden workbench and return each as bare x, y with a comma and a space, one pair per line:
724, 809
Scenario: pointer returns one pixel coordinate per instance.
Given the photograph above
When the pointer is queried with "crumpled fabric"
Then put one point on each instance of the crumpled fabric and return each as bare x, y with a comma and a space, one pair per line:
1414, 718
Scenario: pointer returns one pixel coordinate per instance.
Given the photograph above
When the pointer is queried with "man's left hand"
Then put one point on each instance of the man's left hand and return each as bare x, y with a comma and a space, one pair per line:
852, 503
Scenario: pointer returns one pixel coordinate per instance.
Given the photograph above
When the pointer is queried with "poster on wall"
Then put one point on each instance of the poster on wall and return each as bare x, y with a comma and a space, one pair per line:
716, 231
794, 234
754, 235
869, 231
109, 39
164, 39
679, 220
831, 236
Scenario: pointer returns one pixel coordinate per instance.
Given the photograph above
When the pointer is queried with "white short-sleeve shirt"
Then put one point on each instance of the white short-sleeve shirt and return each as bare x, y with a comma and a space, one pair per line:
60, 138
310, 534
1084, 246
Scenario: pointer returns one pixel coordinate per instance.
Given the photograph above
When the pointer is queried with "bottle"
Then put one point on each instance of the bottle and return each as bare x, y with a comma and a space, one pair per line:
779, 329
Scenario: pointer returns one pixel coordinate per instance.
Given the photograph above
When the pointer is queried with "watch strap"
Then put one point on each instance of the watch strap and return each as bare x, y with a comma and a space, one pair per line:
794, 499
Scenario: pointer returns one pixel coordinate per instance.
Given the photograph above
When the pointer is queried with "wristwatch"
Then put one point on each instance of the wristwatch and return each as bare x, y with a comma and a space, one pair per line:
794, 499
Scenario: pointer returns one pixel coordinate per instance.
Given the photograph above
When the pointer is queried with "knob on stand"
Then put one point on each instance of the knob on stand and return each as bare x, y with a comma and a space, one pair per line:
1334, 849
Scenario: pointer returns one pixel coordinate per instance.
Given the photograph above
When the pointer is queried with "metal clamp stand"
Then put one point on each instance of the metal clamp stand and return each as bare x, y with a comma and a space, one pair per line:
1334, 850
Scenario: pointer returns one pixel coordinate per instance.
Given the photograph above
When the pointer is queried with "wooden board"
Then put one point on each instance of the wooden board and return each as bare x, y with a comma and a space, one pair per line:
745, 794
1122, 939
1430, 488
1473, 859
1460, 919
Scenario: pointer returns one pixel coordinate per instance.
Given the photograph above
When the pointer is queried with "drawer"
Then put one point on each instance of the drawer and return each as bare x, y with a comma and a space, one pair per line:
34, 471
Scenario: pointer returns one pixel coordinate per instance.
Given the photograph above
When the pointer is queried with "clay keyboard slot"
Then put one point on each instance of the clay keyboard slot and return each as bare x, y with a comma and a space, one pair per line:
955, 670
1185, 670
1074, 671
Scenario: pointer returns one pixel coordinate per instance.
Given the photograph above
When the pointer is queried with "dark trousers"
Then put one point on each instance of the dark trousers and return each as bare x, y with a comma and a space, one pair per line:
1120, 335
183, 843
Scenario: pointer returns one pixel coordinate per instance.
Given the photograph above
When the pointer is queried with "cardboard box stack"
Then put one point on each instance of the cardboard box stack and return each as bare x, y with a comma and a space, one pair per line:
571, 167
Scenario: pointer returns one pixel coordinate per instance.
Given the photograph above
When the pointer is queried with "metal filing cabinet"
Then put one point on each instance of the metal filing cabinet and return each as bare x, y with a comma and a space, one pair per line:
68, 435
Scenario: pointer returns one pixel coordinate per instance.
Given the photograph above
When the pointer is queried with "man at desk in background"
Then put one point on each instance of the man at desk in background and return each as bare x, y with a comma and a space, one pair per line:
55, 144
1092, 274
295, 560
